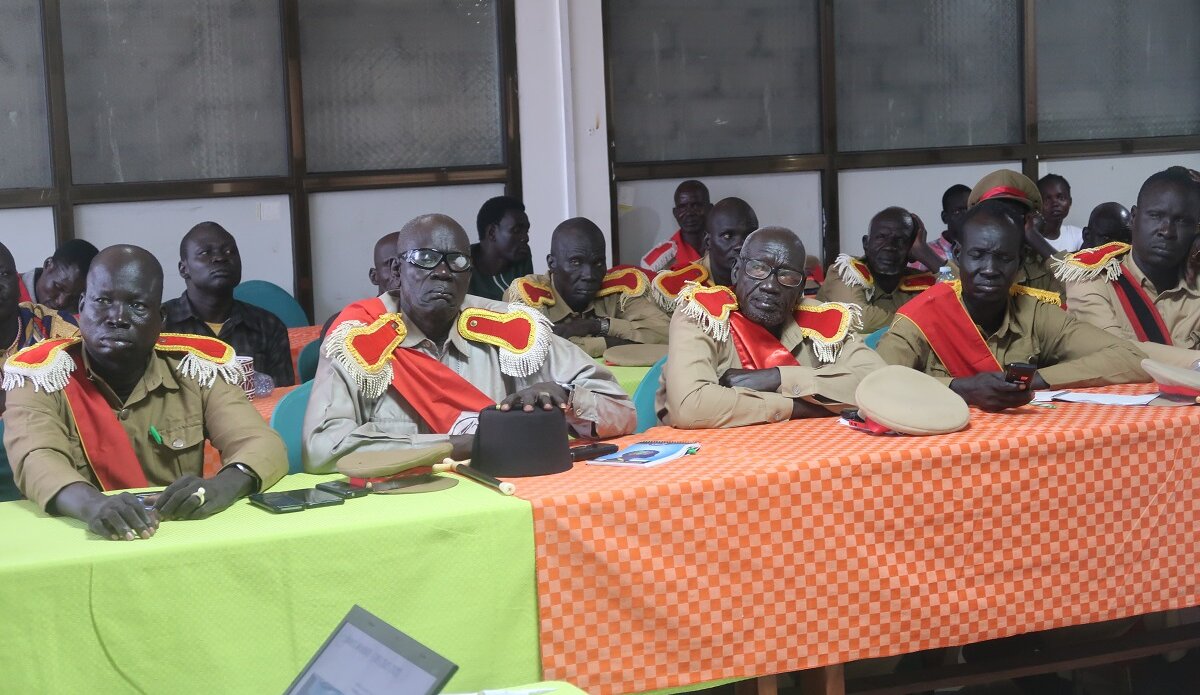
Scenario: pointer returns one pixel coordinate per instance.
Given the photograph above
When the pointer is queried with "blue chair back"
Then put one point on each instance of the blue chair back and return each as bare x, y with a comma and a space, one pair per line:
8, 487
306, 364
643, 397
273, 298
288, 421
872, 339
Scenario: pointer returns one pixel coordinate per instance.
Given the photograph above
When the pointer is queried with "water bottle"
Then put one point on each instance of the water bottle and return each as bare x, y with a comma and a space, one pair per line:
945, 274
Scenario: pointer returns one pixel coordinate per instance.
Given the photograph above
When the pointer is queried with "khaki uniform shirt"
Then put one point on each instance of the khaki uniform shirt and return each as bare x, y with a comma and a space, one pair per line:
1036, 272
1095, 301
641, 321
1067, 352
877, 312
689, 395
340, 419
46, 454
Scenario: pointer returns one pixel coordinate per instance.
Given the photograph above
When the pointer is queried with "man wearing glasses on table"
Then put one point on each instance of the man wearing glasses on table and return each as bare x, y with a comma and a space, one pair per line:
415, 365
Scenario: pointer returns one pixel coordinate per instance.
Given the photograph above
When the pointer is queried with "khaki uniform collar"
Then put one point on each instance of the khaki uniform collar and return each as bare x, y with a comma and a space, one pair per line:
1181, 289
158, 374
560, 309
415, 337
1009, 325
792, 335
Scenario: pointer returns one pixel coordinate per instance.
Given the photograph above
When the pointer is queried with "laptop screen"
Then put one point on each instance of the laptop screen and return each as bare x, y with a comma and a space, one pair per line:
366, 656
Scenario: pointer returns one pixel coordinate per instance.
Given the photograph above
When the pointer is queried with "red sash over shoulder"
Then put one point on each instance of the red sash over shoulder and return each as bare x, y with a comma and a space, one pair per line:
366, 340
943, 319
756, 347
52, 365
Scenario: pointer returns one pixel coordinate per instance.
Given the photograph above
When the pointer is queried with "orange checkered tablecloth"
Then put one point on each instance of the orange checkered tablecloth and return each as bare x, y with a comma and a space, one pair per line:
803, 544
297, 339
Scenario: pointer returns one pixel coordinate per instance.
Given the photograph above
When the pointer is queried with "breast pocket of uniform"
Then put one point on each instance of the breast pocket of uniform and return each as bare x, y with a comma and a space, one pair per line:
185, 444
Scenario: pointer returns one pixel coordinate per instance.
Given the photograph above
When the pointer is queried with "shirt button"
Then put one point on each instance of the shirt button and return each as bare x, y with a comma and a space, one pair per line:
178, 444
123, 414
796, 391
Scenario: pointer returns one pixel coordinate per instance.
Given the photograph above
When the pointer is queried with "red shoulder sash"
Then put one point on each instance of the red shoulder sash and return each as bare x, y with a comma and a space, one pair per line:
1147, 323
944, 322
436, 392
756, 347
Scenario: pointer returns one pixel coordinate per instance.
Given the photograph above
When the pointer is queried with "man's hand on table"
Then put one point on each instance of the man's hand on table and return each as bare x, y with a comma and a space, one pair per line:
989, 391
117, 517
577, 327
182, 499
753, 379
546, 395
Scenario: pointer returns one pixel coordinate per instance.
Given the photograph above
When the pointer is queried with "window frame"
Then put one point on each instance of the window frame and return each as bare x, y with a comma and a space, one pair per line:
298, 183
829, 162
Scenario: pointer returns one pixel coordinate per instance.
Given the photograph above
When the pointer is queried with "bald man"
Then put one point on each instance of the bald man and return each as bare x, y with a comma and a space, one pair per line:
756, 352
1108, 222
878, 281
686, 245
124, 407
435, 356
589, 304
211, 266
728, 224
384, 257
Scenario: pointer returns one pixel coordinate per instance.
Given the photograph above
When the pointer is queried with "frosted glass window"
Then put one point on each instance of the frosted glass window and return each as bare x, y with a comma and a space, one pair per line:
24, 138
697, 79
1118, 68
181, 89
401, 85
927, 73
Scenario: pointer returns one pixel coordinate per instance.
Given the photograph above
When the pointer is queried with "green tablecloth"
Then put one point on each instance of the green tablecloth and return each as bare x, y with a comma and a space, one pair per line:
628, 377
238, 603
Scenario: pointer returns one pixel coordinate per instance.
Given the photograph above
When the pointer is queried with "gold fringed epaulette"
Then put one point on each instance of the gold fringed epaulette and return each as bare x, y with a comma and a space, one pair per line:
828, 326
669, 284
917, 282
204, 358
1089, 264
710, 307
854, 272
1043, 296
365, 351
534, 293
47, 365
625, 280
522, 335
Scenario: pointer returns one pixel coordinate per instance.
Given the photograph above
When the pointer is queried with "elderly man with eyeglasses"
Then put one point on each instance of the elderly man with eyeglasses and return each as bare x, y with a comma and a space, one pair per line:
415, 365
757, 352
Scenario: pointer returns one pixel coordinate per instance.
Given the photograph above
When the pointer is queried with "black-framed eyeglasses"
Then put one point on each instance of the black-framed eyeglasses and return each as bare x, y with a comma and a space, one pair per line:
429, 259
761, 271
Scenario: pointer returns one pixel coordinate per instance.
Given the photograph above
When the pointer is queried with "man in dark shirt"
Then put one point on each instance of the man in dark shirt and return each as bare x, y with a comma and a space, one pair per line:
502, 254
210, 265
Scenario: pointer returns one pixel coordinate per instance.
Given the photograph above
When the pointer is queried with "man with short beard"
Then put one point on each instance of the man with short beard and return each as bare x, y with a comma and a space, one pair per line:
756, 352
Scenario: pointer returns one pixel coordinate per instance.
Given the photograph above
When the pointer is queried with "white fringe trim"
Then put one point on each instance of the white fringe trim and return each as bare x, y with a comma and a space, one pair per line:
828, 352
205, 372
666, 259
850, 276
714, 327
664, 302
49, 378
370, 385
529, 362
1069, 272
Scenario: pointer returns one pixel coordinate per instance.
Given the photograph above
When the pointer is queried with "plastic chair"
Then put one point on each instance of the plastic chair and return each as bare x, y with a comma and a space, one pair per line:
643, 398
273, 298
873, 339
8, 487
288, 421
306, 364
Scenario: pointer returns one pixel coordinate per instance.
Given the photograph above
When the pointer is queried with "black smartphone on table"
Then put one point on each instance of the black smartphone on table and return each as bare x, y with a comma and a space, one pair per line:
294, 500
1019, 373
595, 450
343, 489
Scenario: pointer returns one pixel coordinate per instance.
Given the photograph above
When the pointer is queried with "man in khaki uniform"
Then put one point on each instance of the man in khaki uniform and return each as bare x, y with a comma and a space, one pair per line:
1142, 294
1023, 201
591, 306
753, 353
966, 332
125, 407
417, 364
879, 282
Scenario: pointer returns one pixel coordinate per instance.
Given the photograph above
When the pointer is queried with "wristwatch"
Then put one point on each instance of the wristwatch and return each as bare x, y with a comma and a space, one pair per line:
250, 472
604, 324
